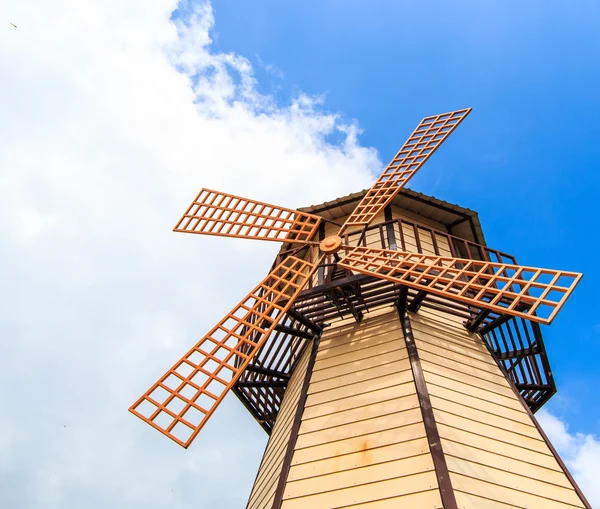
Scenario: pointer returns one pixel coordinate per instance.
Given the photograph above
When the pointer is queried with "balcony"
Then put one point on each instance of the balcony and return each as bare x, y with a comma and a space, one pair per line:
334, 294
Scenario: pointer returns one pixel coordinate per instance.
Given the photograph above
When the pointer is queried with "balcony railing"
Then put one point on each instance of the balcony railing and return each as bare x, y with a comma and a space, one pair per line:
516, 344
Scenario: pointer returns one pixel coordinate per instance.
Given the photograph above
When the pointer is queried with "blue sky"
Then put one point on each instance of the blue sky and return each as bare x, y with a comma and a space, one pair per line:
115, 114
526, 159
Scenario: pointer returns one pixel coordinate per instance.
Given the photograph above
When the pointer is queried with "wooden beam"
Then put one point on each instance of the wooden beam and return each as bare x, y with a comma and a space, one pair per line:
268, 372
264, 383
431, 430
289, 453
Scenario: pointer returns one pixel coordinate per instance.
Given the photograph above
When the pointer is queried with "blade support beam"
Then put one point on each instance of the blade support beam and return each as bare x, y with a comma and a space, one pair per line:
227, 215
421, 144
182, 400
268, 372
527, 292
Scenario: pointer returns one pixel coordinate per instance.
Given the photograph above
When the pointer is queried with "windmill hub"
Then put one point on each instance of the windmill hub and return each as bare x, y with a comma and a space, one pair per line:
331, 244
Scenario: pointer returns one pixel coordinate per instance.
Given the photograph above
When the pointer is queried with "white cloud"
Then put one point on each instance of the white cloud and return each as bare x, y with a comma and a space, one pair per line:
579, 451
112, 118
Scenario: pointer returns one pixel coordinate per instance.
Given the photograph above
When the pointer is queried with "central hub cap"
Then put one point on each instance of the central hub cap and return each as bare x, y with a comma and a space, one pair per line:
331, 244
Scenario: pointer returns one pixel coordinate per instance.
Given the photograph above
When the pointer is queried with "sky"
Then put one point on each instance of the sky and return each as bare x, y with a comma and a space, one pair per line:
114, 114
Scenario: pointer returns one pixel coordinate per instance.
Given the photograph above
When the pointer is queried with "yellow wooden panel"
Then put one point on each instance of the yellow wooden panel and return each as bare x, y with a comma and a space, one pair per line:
492, 397
270, 468
365, 493
463, 344
440, 347
355, 429
271, 462
543, 459
411, 246
373, 238
345, 384
265, 501
492, 419
360, 414
506, 495
410, 243
400, 213
429, 499
332, 229
485, 430
449, 344
409, 231
440, 316
516, 466
443, 322
455, 341
359, 388
357, 355
487, 372
512, 481
443, 349
351, 331
359, 364
269, 473
366, 456
400, 435
467, 379
469, 401
273, 458
265, 491
276, 440
281, 431
426, 243
358, 343
468, 501
443, 245
347, 333
358, 476
360, 400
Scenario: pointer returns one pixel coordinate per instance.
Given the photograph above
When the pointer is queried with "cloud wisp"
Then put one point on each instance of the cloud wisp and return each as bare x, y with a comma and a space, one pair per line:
113, 116
579, 451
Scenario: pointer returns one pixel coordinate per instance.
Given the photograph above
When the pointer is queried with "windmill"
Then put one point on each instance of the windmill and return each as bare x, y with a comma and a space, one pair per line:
428, 388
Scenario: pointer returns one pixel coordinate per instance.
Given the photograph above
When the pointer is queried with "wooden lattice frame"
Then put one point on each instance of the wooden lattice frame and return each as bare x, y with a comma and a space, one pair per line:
226, 215
181, 402
528, 292
422, 143
183, 399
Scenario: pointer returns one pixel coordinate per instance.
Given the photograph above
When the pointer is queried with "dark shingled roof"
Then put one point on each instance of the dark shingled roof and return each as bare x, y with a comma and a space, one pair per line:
458, 220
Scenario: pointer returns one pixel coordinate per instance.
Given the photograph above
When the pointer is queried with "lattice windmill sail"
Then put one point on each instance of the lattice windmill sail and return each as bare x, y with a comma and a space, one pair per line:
346, 273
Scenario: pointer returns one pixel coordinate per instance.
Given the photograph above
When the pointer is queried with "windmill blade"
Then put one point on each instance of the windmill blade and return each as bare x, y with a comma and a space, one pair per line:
528, 292
421, 144
183, 399
226, 215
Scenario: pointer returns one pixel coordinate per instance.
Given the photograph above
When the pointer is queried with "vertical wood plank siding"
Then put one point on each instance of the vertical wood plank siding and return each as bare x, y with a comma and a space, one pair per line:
351, 429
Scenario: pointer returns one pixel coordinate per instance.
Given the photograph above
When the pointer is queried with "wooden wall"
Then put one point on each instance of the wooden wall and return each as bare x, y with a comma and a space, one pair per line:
362, 441
373, 237
495, 454
269, 471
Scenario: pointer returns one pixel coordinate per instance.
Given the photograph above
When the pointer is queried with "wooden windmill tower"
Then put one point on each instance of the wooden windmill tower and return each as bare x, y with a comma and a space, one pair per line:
394, 359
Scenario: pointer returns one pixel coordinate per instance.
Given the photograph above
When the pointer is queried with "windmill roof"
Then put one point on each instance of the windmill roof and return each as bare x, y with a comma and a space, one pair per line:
459, 221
